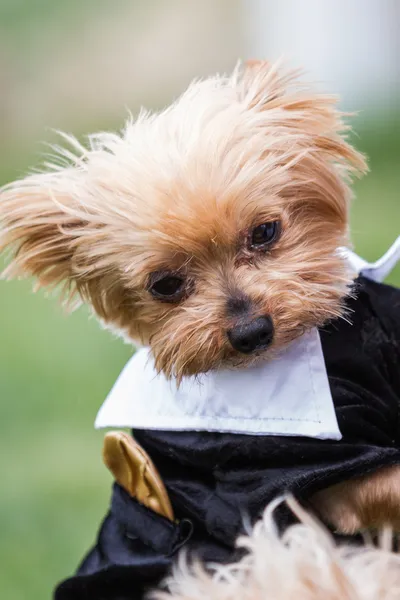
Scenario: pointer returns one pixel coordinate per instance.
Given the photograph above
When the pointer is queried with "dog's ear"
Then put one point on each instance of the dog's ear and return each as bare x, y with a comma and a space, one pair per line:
293, 108
62, 228
36, 224
44, 228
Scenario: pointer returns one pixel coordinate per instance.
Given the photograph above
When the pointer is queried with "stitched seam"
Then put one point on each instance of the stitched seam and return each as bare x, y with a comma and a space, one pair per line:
260, 419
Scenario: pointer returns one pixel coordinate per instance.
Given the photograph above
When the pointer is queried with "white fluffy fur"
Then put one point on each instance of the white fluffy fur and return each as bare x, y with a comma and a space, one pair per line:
303, 564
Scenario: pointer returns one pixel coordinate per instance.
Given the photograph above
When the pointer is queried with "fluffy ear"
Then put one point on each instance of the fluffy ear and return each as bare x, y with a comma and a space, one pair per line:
289, 103
38, 225
47, 230
56, 227
63, 227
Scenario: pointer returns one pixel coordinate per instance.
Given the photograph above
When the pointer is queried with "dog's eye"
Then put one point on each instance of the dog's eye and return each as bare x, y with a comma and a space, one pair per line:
168, 288
263, 235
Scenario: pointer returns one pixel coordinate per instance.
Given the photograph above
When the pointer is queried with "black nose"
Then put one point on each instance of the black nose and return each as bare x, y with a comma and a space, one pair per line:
252, 335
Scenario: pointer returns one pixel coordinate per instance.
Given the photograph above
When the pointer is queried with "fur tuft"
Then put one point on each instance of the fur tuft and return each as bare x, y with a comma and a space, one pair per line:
303, 564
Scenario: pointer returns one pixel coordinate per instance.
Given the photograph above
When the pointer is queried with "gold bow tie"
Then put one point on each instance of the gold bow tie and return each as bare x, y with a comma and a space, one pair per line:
134, 470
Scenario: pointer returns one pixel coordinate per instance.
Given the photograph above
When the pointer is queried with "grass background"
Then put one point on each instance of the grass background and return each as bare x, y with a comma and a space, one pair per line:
56, 370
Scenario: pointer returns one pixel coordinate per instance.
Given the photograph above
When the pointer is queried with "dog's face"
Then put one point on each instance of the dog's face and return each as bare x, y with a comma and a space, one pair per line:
209, 231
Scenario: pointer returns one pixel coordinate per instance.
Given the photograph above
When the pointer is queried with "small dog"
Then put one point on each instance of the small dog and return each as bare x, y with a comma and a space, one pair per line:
208, 232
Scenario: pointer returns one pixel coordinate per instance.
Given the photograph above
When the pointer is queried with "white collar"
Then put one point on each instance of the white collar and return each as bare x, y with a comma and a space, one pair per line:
287, 396
258, 400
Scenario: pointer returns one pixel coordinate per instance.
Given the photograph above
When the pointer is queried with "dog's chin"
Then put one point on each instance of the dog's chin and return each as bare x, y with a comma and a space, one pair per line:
224, 358
231, 361
243, 361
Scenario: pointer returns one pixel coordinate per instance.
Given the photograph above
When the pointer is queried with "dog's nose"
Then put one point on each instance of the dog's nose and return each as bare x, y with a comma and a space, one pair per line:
252, 335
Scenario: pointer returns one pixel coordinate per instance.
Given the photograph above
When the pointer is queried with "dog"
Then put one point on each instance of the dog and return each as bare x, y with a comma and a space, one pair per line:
208, 232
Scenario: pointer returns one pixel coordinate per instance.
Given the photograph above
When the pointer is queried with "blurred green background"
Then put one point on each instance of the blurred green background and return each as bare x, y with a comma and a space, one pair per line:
76, 66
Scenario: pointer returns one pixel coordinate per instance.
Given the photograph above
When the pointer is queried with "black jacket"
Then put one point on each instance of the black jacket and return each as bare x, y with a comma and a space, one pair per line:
218, 481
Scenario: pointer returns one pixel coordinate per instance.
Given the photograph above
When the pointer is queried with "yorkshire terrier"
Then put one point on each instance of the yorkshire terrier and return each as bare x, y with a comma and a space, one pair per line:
208, 232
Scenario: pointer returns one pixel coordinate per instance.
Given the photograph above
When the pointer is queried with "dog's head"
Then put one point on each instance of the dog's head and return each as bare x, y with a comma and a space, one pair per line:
208, 231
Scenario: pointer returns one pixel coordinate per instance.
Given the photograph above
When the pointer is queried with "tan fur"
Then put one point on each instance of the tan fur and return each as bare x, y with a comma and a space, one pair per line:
371, 501
180, 190
303, 564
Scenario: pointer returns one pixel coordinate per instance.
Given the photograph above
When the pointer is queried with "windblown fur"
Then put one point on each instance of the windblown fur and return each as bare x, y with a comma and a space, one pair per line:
304, 564
179, 192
